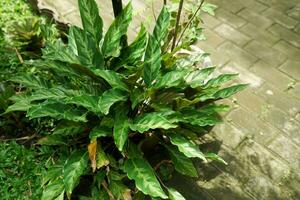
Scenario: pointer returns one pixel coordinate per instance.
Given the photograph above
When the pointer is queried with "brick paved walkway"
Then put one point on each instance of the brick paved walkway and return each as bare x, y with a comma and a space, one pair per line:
260, 39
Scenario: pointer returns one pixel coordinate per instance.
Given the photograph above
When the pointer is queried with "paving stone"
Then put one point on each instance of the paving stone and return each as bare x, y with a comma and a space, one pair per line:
213, 38
237, 54
232, 7
286, 34
218, 58
255, 18
298, 117
232, 34
280, 18
294, 12
295, 91
279, 99
267, 54
234, 20
284, 122
260, 35
252, 125
297, 29
210, 21
226, 130
287, 150
245, 76
279, 5
271, 75
290, 51
292, 68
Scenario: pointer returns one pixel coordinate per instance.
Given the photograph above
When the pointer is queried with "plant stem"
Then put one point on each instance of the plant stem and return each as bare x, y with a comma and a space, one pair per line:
165, 2
117, 7
190, 21
177, 24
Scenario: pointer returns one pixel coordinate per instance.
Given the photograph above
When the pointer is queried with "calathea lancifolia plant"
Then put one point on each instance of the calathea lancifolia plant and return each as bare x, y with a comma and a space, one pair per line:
116, 105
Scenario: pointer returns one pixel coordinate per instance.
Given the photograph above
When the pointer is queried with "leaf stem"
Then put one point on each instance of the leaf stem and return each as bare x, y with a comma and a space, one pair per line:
177, 24
190, 21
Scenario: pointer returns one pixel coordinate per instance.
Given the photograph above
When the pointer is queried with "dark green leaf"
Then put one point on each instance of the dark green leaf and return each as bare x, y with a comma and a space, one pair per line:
215, 82
142, 173
86, 101
111, 43
91, 21
52, 140
182, 164
100, 131
137, 95
110, 97
197, 78
121, 128
152, 61
73, 169
119, 190
30, 81
101, 157
171, 79
187, 147
68, 128
162, 25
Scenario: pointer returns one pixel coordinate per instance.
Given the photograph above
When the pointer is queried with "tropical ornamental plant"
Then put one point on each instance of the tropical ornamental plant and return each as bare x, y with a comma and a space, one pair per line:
123, 112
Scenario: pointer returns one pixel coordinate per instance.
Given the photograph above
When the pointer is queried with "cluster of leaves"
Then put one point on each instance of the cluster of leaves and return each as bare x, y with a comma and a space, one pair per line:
116, 105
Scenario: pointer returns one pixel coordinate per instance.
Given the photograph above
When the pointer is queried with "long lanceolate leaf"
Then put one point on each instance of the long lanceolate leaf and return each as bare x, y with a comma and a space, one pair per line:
152, 61
162, 25
74, 169
187, 147
175, 195
113, 78
142, 173
91, 21
111, 43
121, 128
152, 121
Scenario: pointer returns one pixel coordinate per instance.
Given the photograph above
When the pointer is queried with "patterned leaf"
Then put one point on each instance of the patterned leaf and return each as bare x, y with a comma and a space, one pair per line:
121, 128
214, 156
119, 190
100, 131
73, 169
113, 78
56, 110
187, 147
53, 190
229, 91
137, 95
111, 43
86, 101
91, 21
110, 97
181, 163
152, 121
68, 128
101, 158
171, 79
197, 78
142, 173
220, 80
162, 25
152, 61
30, 81
174, 194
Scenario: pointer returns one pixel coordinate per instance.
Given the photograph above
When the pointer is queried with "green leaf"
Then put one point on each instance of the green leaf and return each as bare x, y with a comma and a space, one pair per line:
110, 97
174, 194
101, 157
197, 78
23, 103
229, 91
88, 52
162, 25
53, 190
214, 156
52, 140
73, 169
91, 21
30, 81
142, 173
111, 43
56, 110
171, 79
200, 117
137, 95
152, 63
86, 101
135, 51
121, 128
209, 8
187, 147
152, 121
48, 93
181, 163
112, 78
68, 128
100, 131
119, 190
215, 82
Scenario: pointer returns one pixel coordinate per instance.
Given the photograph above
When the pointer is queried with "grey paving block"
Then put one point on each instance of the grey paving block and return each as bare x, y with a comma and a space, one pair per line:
232, 34
255, 18
280, 18
292, 68
230, 18
286, 34
289, 50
